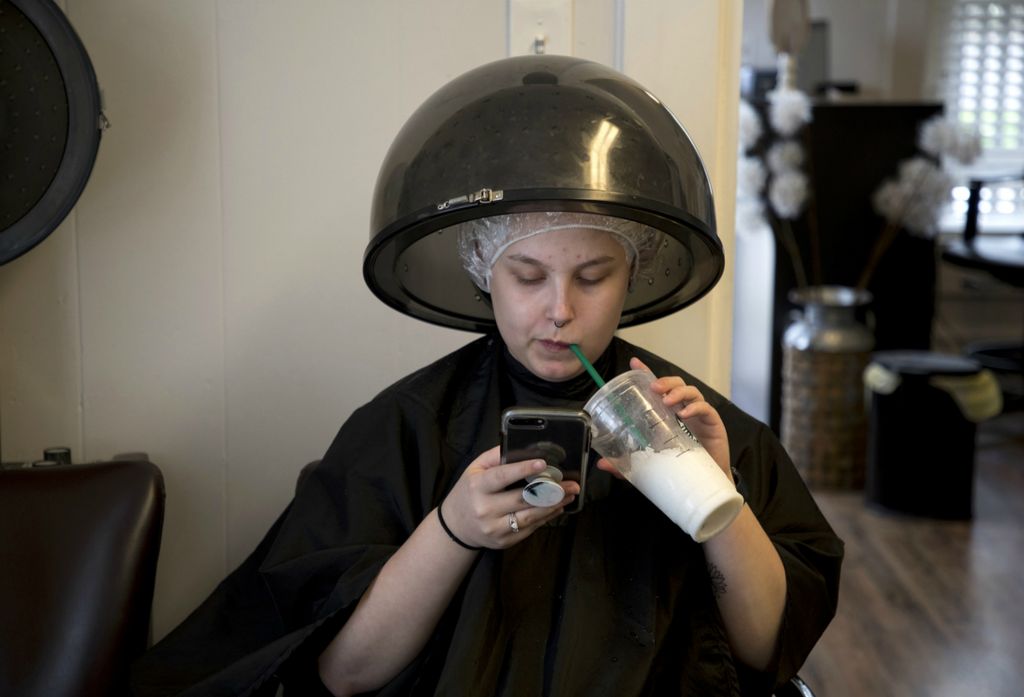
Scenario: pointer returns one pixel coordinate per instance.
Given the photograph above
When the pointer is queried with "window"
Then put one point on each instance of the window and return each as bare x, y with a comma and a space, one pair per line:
984, 88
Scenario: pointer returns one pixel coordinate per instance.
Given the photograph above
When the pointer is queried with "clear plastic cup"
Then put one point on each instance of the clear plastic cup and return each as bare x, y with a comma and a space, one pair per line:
658, 455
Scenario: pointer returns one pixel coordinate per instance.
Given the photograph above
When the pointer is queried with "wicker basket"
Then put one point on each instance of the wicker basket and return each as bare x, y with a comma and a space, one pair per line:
824, 423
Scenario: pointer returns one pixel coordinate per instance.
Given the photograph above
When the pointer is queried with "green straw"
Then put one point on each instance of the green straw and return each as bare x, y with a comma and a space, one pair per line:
587, 365
600, 383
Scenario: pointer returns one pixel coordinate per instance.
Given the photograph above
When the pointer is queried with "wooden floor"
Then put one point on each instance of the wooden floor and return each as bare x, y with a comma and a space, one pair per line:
932, 608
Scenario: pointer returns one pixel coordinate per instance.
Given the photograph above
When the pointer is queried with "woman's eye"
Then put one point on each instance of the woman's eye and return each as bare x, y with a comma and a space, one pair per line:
589, 280
529, 280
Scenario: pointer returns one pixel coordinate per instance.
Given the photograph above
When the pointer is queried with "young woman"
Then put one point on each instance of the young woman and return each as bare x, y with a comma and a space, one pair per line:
530, 618
403, 566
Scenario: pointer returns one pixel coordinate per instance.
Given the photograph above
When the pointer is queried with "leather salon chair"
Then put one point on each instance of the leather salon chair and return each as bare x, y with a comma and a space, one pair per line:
78, 553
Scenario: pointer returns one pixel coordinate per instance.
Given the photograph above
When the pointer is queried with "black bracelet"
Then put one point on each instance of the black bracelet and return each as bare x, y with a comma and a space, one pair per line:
451, 534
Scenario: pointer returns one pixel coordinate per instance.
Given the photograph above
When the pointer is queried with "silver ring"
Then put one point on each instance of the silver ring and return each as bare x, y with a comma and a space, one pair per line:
513, 522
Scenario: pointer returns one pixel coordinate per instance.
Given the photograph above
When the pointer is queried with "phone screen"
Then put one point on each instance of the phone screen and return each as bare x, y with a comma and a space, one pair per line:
560, 437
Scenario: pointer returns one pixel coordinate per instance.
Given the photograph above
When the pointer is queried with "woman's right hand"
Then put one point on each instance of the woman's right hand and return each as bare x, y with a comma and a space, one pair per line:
399, 611
479, 510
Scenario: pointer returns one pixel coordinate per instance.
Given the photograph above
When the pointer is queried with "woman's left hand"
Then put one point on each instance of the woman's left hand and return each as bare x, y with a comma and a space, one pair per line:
700, 417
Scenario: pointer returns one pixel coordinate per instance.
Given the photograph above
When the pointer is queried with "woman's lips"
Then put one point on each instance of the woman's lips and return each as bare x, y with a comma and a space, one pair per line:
554, 346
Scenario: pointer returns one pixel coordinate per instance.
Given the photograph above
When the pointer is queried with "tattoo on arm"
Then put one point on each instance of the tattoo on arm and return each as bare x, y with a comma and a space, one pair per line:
718, 584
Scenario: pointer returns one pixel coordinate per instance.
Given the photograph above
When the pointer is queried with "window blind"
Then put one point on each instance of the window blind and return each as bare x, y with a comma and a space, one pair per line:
984, 88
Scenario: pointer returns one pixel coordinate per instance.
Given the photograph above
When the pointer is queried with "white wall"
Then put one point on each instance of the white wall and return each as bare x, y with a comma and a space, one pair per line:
204, 301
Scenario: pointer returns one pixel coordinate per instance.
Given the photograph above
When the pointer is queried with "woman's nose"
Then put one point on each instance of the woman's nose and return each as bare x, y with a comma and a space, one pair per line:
561, 309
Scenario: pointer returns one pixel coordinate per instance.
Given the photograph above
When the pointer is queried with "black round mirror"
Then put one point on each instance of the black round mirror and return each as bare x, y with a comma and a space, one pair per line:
50, 122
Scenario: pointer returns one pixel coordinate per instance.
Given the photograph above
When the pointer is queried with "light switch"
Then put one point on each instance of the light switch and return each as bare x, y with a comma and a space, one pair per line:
540, 26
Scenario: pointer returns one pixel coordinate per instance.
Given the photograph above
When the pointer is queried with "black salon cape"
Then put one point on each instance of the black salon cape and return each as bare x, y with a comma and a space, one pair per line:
614, 600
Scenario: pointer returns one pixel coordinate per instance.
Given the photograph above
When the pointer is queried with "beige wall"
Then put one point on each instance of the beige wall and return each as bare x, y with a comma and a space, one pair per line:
204, 301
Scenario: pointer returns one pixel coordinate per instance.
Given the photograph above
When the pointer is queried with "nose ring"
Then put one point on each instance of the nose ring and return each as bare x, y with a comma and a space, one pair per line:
561, 324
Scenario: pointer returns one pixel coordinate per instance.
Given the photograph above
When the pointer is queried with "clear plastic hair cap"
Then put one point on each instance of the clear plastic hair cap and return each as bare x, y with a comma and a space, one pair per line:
482, 241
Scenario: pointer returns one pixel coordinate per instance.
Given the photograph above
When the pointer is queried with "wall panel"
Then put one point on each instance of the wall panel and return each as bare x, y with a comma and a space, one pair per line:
150, 262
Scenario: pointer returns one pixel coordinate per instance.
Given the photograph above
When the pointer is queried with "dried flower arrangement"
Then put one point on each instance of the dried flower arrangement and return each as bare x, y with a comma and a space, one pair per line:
774, 191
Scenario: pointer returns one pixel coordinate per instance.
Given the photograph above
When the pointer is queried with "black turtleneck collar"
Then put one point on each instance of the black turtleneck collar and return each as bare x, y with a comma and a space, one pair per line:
529, 390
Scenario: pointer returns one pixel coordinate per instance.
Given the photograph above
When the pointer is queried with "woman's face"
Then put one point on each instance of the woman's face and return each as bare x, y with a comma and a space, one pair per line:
576, 278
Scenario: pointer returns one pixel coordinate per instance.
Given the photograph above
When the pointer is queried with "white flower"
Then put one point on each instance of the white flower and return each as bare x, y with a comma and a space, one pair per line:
915, 169
940, 137
787, 194
750, 126
914, 199
931, 183
888, 200
933, 135
750, 176
788, 110
786, 156
750, 216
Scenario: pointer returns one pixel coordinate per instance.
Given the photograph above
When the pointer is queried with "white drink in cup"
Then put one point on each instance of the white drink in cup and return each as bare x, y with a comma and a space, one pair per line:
642, 437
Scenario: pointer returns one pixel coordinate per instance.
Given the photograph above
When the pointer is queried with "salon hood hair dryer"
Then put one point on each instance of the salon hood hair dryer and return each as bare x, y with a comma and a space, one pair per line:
50, 122
537, 133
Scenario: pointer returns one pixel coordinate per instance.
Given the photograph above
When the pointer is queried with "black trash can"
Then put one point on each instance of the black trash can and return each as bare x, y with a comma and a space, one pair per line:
924, 410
